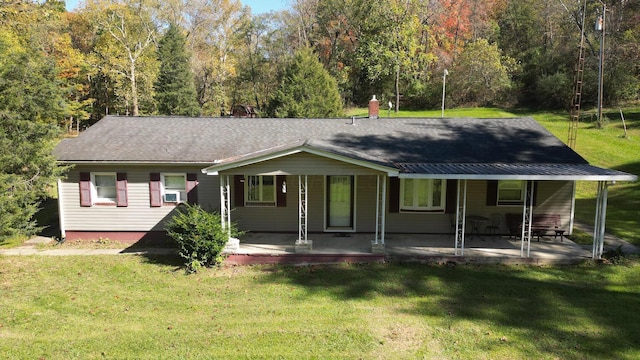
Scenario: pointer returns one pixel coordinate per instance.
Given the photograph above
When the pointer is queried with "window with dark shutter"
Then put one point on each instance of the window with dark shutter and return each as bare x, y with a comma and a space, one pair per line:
155, 190
121, 190
85, 189
192, 188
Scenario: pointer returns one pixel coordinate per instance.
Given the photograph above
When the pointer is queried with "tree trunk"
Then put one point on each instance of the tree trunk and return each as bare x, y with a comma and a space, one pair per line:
397, 85
134, 90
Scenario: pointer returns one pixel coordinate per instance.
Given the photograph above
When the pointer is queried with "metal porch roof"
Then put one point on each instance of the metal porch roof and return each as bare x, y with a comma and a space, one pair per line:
501, 171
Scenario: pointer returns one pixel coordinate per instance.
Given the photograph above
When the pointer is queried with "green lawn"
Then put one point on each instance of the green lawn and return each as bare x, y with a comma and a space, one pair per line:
130, 307
607, 147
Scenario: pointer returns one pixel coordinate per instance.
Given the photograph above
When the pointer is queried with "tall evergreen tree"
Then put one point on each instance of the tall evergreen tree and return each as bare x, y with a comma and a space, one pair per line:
30, 106
307, 90
175, 89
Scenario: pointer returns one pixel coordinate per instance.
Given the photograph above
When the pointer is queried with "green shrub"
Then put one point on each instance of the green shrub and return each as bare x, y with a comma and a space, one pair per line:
200, 236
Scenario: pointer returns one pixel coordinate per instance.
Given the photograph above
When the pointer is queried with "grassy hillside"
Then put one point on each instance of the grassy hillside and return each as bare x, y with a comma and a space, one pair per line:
607, 147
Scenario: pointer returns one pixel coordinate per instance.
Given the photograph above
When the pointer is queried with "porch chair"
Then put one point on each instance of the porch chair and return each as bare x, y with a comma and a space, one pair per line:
495, 221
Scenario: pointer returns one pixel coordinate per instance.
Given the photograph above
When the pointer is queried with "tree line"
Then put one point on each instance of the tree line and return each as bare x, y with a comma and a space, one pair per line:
61, 71
135, 57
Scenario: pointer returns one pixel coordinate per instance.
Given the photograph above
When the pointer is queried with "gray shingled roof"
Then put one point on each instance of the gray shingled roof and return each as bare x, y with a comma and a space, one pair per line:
398, 142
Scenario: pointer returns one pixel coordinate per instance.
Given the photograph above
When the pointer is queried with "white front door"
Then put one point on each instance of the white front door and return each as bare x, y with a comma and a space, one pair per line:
340, 201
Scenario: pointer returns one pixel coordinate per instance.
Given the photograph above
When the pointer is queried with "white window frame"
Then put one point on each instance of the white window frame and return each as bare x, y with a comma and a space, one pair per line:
95, 199
180, 192
430, 208
260, 202
510, 202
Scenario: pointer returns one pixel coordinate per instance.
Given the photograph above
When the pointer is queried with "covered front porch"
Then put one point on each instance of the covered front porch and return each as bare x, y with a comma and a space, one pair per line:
256, 247
461, 197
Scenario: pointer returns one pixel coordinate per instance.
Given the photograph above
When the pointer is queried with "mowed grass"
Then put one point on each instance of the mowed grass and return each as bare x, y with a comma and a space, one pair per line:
606, 147
133, 307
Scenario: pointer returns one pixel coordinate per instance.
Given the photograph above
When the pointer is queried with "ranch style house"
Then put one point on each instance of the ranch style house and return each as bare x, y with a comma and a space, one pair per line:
373, 175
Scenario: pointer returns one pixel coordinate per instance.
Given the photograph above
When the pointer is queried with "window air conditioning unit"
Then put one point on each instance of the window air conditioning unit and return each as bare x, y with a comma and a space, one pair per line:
172, 197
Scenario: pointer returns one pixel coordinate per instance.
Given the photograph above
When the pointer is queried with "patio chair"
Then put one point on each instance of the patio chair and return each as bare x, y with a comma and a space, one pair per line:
495, 221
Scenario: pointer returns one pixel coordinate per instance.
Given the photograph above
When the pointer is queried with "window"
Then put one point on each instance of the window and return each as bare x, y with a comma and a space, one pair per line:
260, 190
422, 195
104, 187
510, 192
174, 188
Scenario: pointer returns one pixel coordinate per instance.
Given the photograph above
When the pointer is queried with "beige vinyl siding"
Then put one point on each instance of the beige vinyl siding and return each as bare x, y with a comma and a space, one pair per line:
301, 164
315, 199
553, 197
138, 215
417, 223
366, 203
285, 219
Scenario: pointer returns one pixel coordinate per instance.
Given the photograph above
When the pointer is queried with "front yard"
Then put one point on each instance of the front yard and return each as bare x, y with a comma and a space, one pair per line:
91, 307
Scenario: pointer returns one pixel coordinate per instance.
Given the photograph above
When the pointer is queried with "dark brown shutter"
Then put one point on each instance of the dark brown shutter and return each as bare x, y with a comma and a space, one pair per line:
85, 189
238, 190
452, 196
492, 192
155, 190
192, 188
281, 197
121, 190
394, 194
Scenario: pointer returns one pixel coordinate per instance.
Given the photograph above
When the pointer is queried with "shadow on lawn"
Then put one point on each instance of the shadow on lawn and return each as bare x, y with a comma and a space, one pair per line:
545, 304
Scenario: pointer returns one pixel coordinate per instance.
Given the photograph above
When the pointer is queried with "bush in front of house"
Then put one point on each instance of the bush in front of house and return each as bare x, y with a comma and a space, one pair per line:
200, 236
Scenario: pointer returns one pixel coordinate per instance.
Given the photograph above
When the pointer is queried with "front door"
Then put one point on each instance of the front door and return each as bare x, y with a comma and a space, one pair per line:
340, 202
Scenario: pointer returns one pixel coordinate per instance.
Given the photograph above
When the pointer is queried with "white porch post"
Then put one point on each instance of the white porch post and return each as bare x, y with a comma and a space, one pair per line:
227, 188
600, 220
233, 245
63, 232
377, 209
383, 208
303, 244
461, 209
573, 207
377, 245
527, 217
224, 193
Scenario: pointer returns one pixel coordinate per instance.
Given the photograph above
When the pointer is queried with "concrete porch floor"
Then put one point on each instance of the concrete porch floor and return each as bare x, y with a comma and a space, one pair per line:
280, 248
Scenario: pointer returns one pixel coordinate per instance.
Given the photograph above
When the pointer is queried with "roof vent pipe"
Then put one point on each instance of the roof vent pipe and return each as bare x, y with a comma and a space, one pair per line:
374, 108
